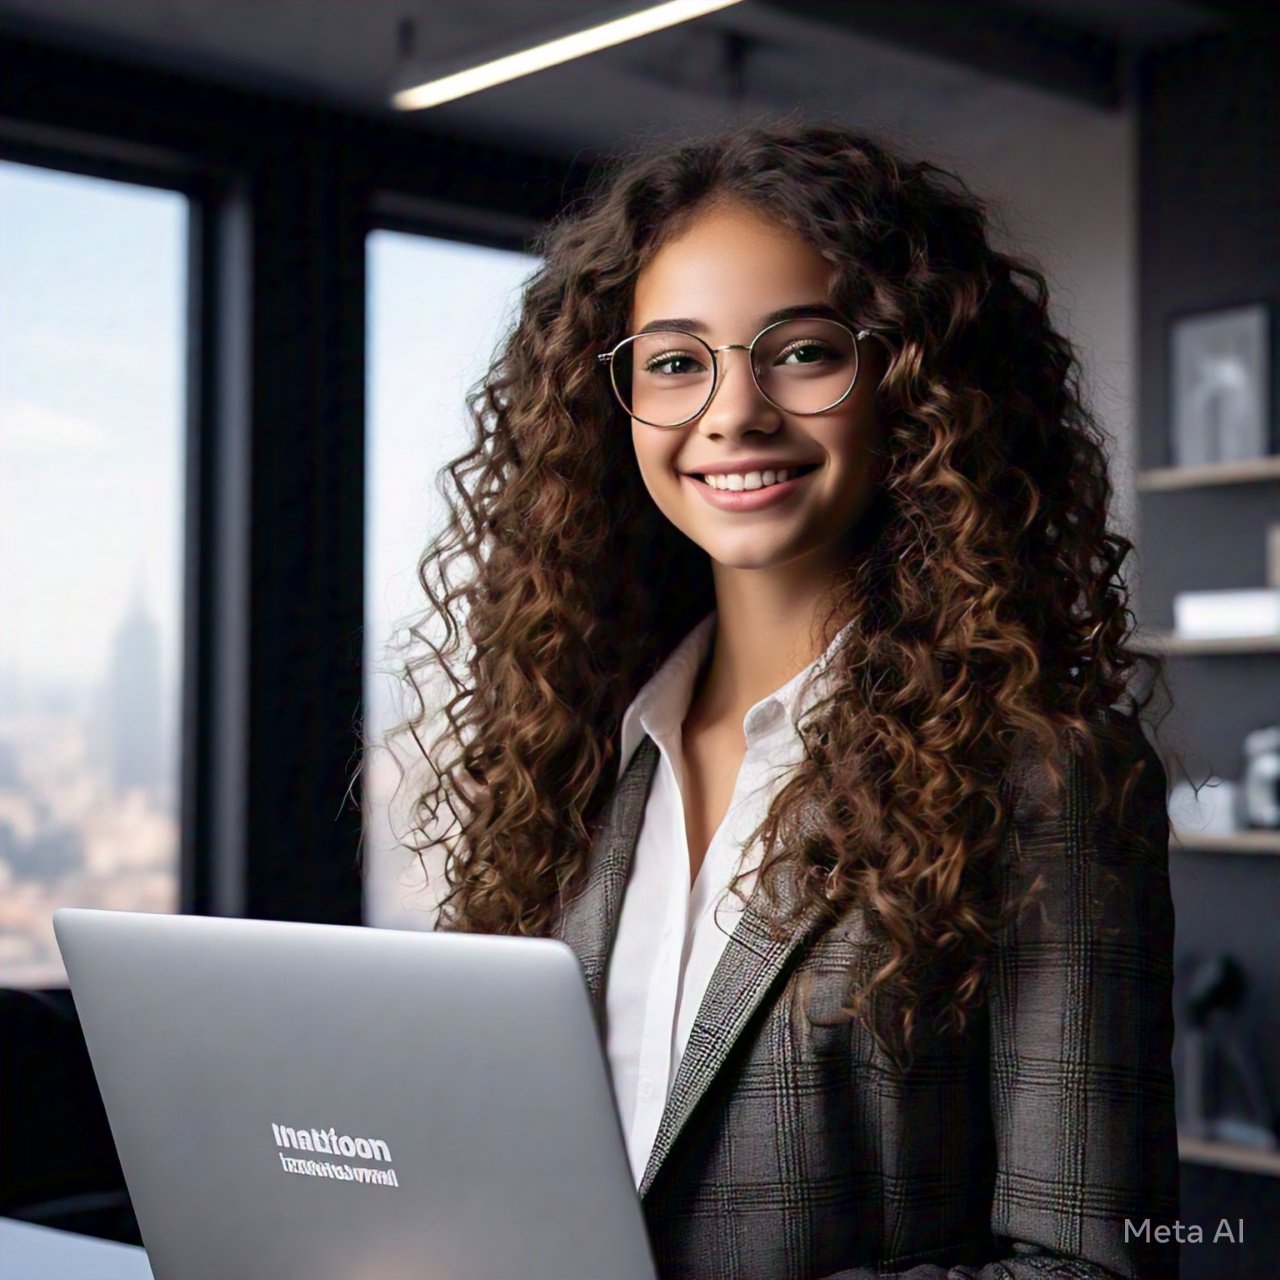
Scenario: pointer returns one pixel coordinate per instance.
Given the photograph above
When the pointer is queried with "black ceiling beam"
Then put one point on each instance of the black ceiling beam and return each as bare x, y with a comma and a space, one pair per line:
993, 38
63, 96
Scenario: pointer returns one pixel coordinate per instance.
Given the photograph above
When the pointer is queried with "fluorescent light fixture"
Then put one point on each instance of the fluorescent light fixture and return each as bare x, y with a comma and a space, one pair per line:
553, 52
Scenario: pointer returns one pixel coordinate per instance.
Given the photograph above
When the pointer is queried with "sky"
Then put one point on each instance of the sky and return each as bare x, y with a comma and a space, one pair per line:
92, 296
437, 310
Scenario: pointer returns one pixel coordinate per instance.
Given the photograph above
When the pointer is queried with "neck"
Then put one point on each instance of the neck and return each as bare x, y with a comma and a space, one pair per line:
768, 629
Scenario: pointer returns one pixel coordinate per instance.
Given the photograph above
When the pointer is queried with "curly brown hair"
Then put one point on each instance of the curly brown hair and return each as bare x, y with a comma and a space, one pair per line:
990, 616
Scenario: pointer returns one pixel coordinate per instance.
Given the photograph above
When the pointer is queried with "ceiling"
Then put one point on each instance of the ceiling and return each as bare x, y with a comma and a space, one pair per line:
904, 69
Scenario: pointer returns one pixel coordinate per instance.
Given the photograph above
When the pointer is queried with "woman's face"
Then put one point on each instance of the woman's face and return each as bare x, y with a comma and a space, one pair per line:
729, 272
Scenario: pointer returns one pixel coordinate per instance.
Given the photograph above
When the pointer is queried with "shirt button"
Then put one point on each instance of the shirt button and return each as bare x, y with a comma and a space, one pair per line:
666, 933
646, 1089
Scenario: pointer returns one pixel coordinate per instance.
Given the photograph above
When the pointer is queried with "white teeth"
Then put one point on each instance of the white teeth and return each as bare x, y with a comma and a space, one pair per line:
738, 481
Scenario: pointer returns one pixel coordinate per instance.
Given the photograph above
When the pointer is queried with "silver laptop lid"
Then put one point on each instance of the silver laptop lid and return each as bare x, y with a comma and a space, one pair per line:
345, 1103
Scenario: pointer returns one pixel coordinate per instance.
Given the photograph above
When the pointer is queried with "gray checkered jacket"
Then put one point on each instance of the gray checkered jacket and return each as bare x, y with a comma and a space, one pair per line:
1039, 1144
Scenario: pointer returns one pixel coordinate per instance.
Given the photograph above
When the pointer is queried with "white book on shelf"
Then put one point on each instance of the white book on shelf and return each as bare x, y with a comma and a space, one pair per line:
1253, 611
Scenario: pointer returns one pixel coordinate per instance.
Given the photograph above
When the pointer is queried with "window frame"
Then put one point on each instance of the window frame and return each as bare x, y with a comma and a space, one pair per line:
283, 194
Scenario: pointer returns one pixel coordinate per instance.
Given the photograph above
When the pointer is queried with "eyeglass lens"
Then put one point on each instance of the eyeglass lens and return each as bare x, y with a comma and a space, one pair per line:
667, 377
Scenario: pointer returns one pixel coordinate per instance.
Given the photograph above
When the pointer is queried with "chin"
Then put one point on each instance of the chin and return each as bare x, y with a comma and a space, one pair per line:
741, 558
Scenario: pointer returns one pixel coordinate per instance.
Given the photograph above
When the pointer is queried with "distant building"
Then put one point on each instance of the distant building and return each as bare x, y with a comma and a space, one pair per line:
133, 701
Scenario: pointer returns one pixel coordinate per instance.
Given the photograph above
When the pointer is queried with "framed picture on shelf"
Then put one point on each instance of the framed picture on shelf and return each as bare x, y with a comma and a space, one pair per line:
1220, 385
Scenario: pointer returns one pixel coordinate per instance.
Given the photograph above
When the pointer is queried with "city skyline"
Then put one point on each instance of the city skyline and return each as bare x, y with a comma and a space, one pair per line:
92, 435
88, 804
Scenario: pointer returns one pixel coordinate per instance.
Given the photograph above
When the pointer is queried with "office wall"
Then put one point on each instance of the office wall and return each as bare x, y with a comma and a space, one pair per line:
1063, 190
1070, 198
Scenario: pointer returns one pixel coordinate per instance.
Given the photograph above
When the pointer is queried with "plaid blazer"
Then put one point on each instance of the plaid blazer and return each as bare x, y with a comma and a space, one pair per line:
1036, 1145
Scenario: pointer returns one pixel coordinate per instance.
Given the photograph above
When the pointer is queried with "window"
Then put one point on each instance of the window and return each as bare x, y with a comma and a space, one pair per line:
437, 310
92, 396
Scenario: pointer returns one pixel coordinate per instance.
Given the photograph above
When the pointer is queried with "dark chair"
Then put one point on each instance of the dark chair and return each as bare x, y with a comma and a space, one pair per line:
58, 1166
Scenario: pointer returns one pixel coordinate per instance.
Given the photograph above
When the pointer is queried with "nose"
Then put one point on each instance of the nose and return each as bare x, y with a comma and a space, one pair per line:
736, 404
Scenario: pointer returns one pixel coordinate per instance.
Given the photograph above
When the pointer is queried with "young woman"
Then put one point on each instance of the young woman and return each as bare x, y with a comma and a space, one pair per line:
790, 686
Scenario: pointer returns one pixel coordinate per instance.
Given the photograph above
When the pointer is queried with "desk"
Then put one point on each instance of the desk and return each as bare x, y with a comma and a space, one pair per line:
41, 1253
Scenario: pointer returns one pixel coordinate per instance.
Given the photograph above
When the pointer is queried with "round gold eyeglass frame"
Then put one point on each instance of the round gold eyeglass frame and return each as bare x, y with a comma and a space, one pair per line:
608, 358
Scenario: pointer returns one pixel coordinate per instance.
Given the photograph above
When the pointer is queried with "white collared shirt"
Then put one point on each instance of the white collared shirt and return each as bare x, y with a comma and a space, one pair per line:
669, 937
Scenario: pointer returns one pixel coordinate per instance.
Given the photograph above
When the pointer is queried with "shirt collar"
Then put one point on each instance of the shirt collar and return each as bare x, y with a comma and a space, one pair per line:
662, 704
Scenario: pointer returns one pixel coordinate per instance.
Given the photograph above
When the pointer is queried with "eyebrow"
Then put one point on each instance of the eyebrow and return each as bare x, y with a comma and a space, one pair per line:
803, 310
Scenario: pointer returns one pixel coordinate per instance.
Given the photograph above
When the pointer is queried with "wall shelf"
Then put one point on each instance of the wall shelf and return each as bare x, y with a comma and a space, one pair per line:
1244, 472
1165, 642
1226, 1155
1247, 841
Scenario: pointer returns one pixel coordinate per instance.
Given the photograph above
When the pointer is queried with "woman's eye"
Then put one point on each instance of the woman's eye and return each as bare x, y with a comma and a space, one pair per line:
671, 364
805, 353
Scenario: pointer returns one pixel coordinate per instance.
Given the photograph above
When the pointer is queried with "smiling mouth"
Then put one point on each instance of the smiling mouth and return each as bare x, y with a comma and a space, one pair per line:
739, 481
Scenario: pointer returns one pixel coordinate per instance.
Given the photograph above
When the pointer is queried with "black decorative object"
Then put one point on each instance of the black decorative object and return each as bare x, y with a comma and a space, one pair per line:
1213, 1058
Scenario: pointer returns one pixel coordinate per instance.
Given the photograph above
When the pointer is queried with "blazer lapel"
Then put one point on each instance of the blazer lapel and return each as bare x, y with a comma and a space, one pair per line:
590, 921
742, 978
746, 970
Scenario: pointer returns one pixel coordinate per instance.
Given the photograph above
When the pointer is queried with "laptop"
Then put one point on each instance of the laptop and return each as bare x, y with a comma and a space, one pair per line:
349, 1103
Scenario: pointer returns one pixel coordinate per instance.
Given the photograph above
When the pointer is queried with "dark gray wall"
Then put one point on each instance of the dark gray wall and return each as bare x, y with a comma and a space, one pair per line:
1209, 219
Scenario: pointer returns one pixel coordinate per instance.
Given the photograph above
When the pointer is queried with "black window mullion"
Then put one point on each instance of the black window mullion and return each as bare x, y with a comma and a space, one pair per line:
304, 537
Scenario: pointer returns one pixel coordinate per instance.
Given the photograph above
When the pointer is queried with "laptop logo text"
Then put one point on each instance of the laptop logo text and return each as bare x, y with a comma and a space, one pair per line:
331, 1143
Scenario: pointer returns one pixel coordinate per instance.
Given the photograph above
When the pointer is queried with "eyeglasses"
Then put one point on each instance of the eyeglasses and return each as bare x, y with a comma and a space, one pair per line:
666, 377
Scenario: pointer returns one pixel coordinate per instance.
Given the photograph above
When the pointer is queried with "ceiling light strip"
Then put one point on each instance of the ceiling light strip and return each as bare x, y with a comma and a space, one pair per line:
550, 54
